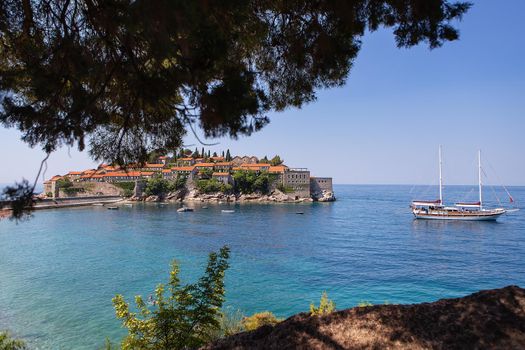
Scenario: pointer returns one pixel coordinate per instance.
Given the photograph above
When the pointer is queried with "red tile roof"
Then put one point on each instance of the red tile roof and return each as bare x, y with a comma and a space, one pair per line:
92, 176
220, 174
130, 174
202, 165
75, 173
278, 169
257, 165
187, 158
183, 168
147, 165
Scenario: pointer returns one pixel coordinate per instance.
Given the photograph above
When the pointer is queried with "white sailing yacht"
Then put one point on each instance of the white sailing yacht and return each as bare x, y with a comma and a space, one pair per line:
436, 210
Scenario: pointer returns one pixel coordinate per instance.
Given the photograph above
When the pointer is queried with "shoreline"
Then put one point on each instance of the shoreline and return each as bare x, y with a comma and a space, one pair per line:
214, 200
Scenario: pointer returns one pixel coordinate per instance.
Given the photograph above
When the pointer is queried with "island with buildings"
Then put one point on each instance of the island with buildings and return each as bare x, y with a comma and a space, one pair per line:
194, 176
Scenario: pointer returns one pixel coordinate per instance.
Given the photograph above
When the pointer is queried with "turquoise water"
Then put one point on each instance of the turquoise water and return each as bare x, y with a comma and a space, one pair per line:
59, 271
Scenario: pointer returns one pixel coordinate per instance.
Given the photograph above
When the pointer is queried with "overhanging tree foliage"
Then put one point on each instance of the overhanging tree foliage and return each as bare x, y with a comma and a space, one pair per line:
131, 76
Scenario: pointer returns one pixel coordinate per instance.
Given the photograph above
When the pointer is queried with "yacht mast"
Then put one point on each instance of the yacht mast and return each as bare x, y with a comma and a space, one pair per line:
440, 178
479, 180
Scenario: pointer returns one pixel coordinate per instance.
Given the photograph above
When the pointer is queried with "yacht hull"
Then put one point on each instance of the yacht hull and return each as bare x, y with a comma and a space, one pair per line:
489, 216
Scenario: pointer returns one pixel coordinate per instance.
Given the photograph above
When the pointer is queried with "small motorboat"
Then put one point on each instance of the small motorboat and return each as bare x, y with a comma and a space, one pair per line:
184, 210
112, 208
204, 208
300, 213
128, 205
227, 211
98, 204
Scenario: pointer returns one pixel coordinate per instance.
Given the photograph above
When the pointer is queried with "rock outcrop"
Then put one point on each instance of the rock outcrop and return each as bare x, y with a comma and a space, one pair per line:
153, 199
324, 196
177, 195
193, 195
275, 196
491, 319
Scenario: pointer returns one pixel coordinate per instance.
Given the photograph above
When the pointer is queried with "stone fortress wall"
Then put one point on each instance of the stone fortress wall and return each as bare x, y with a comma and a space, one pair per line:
299, 181
320, 184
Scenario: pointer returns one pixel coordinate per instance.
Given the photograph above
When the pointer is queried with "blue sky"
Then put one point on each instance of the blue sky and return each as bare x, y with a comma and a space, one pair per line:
384, 126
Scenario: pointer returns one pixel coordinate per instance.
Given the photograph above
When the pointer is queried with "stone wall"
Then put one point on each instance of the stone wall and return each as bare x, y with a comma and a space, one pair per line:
138, 191
320, 184
297, 180
90, 189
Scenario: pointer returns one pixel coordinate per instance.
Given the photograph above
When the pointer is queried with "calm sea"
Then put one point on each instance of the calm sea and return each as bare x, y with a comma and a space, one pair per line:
59, 271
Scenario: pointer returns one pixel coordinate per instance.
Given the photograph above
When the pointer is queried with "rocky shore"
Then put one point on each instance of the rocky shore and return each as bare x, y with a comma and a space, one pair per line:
491, 319
193, 195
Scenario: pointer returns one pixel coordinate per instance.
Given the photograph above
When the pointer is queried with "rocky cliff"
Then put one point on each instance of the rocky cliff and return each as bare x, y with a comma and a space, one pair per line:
192, 195
491, 319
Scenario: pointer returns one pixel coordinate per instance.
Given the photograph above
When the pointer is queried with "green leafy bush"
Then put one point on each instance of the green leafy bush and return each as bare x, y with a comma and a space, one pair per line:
206, 173
64, 183
326, 306
208, 186
8, 343
285, 189
230, 323
213, 186
260, 319
251, 181
186, 318
128, 188
180, 182
72, 190
157, 186
226, 188
364, 303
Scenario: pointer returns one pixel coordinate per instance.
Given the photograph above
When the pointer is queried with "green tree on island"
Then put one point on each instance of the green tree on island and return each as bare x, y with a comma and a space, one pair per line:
157, 186
276, 161
186, 318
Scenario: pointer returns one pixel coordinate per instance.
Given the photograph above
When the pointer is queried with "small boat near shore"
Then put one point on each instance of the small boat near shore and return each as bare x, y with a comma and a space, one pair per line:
112, 208
464, 211
227, 211
184, 210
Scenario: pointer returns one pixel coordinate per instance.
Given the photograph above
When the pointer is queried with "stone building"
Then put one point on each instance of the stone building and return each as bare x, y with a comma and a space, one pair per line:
320, 184
188, 171
225, 178
258, 167
187, 161
223, 167
298, 180
237, 161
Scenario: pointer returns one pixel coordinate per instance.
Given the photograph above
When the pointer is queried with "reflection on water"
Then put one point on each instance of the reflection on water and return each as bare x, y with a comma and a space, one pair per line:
443, 226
